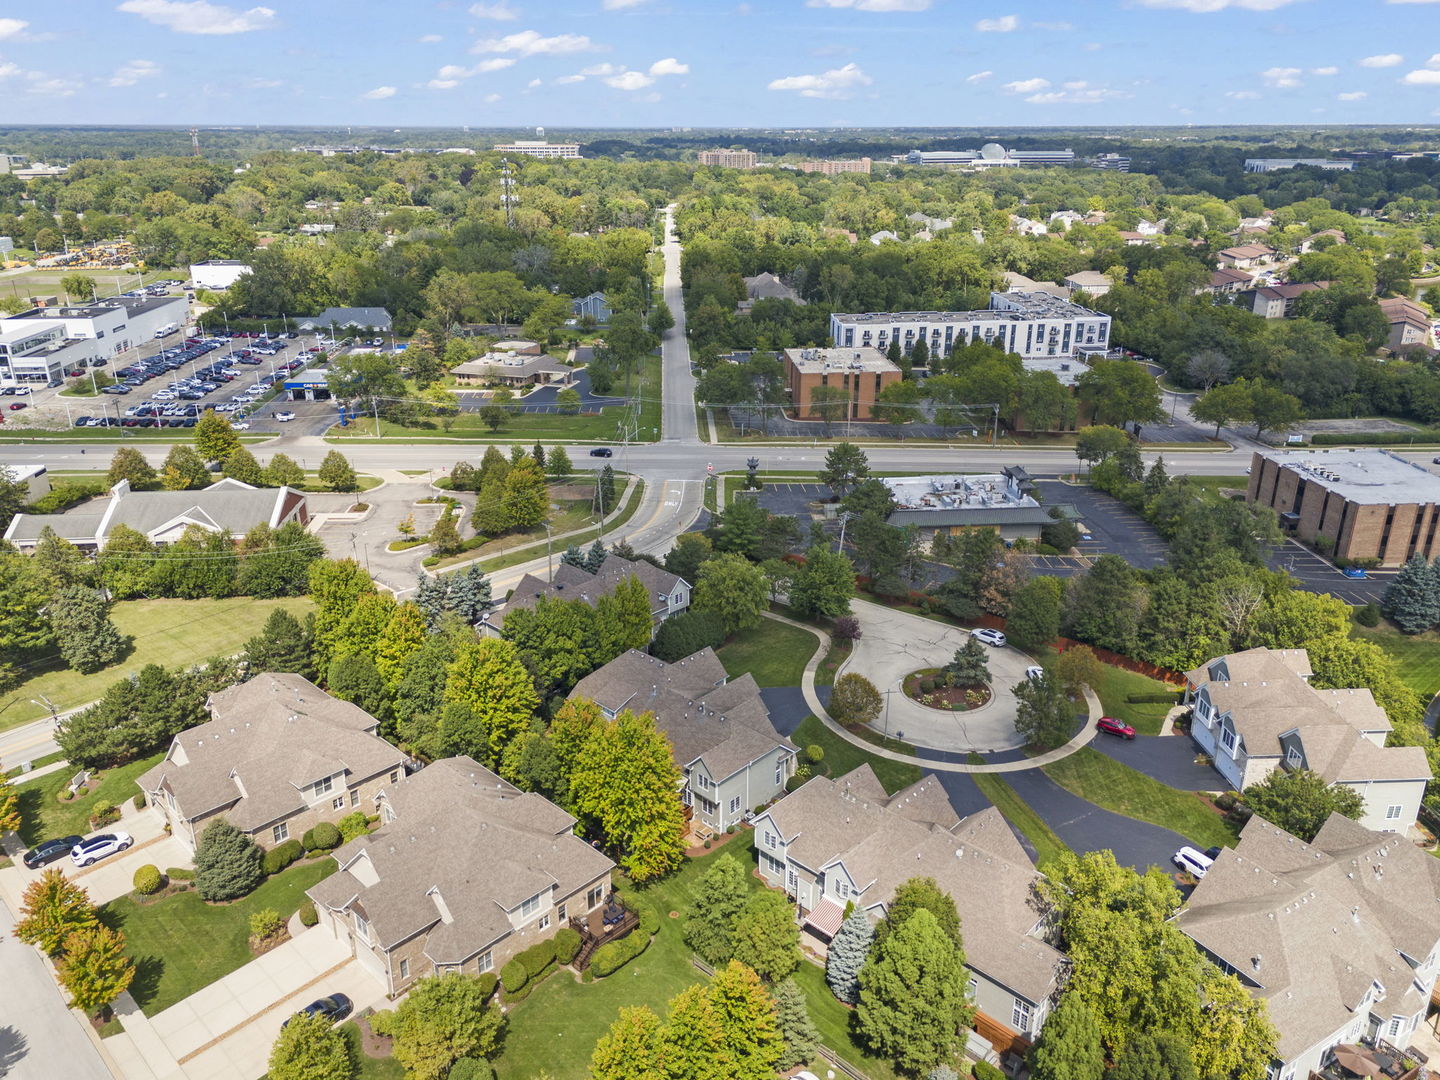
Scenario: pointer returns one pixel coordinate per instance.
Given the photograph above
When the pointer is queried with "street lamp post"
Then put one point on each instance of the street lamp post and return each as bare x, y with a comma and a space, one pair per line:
549, 567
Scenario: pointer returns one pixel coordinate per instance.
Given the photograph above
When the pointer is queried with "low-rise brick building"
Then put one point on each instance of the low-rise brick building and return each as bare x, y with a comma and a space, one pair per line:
862, 372
1364, 504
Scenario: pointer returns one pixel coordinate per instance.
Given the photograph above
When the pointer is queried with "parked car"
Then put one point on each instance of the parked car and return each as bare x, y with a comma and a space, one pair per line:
602, 451
99, 847
987, 636
284, 417
1034, 672
1349, 571
47, 851
332, 1008
1192, 861
1111, 726
17, 405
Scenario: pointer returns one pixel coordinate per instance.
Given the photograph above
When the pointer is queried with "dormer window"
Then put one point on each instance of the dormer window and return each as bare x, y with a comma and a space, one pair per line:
323, 787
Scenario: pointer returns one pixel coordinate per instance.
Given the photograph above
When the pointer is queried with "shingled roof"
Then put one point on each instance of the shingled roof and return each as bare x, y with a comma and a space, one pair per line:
570, 582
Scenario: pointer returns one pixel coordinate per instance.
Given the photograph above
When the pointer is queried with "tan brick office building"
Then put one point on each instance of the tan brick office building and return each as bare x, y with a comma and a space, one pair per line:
1370, 503
862, 372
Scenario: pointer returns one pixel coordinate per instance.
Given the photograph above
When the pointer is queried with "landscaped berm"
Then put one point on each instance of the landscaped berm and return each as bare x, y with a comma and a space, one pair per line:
930, 688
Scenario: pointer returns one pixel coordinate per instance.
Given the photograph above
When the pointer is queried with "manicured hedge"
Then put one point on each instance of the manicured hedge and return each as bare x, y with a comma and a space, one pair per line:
537, 957
147, 880
514, 975
567, 944
308, 915
1373, 438
610, 958
323, 837
278, 858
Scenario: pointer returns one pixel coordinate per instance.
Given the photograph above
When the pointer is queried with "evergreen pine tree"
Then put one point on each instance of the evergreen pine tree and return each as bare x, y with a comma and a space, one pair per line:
1413, 596
595, 556
470, 594
538, 453
605, 490
281, 646
430, 596
848, 951
573, 557
1157, 479
228, 864
796, 1027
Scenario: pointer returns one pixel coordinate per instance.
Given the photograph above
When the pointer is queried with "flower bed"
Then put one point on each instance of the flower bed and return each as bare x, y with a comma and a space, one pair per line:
928, 687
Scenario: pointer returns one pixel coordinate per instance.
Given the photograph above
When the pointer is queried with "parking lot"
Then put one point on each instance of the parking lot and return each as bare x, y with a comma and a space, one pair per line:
1113, 528
1317, 575
792, 499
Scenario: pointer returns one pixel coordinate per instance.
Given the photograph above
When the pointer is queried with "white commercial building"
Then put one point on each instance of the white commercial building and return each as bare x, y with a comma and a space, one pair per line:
1262, 165
538, 148
39, 354
217, 274
121, 323
990, 156
1033, 325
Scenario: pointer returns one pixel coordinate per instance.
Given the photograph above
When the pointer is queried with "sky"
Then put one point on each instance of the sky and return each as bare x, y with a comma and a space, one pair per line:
721, 63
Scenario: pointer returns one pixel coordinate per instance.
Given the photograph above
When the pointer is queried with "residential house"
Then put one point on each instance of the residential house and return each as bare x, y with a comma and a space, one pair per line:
1150, 228
834, 843
1310, 242
342, 319
1409, 323
1251, 226
883, 235
1278, 301
719, 730
465, 871
929, 224
1226, 282
277, 757
163, 516
1337, 936
1067, 218
1246, 256
1135, 239
766, 286
669, 594
1092, 282
1017, 282
1026, 227
1255, 711
595, 306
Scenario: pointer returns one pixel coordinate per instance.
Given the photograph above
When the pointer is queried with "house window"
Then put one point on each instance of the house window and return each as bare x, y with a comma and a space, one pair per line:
769, 839
971, 987
355, 797
772, 865
362, 927
529, 907
404, 969
560, 913
779, 772
337, 803
395, 776
1020, 1015
1293, 758
735, 805
703, 782
322, 787
594, 896
1392, 812
792, 883
544, 923
485, 963
1227, 737
281, 833
842, 888
1396, 1023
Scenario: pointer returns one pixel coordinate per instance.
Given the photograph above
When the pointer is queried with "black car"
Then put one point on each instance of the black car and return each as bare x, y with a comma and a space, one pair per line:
49, 850
602, 451
332, 1008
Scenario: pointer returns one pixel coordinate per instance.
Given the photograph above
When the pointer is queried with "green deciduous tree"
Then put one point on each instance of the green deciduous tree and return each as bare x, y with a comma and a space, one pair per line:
1120, 392
1069, 1044
337, 474
1103, 607
284, 471
1034, 619
766, 937
1099, 443
353, 677
496, 695
10, 817
228, 864
912, 996
309, 1048
80, 620
1160, 1056
51, 909
854, 700
557, 462
403, 636
631, 1049
94, 968
685, 558
240, 464
526, 498
1223, 405
1078, 667
444, 535
184, 468
214, 437
1300, 801
734, 589
914, 895
750, 1031
444, 1018
335, 585
130, 464
825, 585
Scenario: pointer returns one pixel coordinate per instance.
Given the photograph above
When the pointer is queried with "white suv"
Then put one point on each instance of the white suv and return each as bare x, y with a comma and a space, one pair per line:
987, 636
98, 847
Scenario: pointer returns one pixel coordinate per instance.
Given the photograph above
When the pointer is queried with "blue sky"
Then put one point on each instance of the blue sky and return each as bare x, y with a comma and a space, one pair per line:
760, 63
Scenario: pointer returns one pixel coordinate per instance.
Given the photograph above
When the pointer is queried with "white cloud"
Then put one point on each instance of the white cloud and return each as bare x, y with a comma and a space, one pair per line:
10, 28
669, 66
1078, 92
1026, 86
450, 76
1060, 27
835, 83
497, 63
533, 83
629, 80
1332, 70
566, 80
430, 39
1206, 7
1353, 95
533, 43
490, 99
443, 84
1003, 25
262, 84
1423, 77
872, 5
130, 73
1243, 95
500, 11
601, 69
48, 86
620, 5
1282, 78
380, 93
1383, 60
979, 76
199, 16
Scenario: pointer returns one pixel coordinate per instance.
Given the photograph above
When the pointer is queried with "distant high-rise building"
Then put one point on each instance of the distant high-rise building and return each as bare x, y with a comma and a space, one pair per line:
729, 159
830, 168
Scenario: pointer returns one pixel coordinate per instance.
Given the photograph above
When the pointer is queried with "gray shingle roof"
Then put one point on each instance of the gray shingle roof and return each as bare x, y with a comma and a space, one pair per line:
569, 582
884, 840
724, 725
1309, 926
480, 843
266, 740
376, 318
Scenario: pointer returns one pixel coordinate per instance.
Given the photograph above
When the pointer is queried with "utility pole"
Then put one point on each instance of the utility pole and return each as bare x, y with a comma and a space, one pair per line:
844, 520
195, 142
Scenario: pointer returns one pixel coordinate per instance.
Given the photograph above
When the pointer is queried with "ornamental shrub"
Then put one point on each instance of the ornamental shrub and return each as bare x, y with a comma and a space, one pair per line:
983, 1070
487, 982
323, 837
278, 858
147, 880
308, 915
649, 922
610, 958
266, 923
536, 959
352, 825
228, 864
471, 1068
139, 801
104, 815
514, 975
1367, 615
567, 944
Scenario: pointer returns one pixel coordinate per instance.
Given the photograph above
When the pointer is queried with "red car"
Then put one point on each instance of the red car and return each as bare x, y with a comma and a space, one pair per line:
17, 405
1115, 727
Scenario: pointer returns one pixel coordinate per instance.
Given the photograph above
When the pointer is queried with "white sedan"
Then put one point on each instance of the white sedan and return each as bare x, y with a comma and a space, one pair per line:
284, 417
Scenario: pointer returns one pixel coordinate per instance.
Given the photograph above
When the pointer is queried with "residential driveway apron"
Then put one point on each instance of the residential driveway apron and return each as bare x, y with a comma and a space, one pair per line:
895, 643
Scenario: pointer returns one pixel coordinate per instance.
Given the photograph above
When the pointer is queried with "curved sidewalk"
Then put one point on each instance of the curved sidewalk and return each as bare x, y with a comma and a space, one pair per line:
812, 699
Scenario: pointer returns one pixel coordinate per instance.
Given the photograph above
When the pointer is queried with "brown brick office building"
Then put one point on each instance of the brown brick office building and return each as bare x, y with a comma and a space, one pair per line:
861, 372
1370, 504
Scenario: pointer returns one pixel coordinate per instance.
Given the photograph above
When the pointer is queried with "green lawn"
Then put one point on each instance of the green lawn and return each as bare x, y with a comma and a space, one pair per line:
1118, 684
1115, 786
1048, 846
843, 756
44, 815
556, 1028
168, 632
774, 652
181, 944
1416, 655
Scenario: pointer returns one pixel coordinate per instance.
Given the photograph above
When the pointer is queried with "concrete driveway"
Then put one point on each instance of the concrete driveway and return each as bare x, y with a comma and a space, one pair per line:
40, 1039
895, 643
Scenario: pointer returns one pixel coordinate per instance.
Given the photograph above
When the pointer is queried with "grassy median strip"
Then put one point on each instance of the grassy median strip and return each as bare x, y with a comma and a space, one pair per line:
1115, 786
